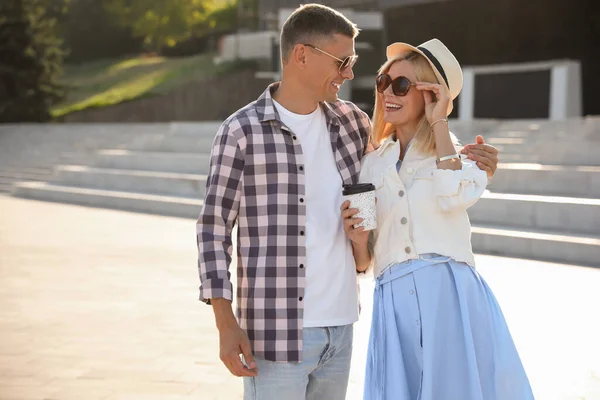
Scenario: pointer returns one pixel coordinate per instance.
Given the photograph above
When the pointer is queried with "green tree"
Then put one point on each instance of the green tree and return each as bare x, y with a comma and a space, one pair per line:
89, 33
165, 22
30, 59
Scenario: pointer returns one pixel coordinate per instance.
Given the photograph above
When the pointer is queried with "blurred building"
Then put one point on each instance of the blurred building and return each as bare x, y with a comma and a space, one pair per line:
554, 41
522, 58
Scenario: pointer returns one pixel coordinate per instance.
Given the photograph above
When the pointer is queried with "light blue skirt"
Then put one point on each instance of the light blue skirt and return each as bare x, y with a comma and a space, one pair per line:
438, 334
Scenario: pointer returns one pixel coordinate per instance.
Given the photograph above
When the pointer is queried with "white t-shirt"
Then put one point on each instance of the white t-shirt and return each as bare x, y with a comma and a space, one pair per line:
331, 296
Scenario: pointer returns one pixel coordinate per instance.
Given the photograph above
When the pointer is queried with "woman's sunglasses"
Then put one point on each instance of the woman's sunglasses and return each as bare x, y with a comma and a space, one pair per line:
344, 64
400, 85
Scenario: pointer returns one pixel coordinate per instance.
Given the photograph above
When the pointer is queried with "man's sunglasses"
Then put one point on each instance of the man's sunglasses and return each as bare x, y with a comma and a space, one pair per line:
345, 64
400, 85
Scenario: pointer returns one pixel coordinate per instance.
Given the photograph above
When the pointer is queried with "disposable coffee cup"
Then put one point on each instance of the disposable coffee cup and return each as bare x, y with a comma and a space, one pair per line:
362, 197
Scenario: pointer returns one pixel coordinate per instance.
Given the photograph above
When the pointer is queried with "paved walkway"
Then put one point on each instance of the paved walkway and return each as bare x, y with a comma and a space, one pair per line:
99, 304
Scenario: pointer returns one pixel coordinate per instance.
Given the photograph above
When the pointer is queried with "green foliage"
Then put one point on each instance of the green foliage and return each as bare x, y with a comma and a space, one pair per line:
109, 82
163, 23
230, 67
30, 59
90, 33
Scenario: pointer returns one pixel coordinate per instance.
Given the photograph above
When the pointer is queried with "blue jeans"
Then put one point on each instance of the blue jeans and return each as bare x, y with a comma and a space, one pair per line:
322, 374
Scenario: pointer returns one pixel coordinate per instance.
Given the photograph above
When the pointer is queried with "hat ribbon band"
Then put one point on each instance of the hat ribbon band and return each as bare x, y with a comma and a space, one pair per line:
436, 63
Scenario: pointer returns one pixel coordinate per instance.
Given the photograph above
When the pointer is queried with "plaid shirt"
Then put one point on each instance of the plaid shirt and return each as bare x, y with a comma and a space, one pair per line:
257, 179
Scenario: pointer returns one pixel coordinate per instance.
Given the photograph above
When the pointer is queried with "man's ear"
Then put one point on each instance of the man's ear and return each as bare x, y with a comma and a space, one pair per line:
299, 55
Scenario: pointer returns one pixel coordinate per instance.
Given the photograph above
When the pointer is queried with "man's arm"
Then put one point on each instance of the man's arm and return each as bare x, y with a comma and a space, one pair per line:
368, 128
213, 234
485, 155
218, 215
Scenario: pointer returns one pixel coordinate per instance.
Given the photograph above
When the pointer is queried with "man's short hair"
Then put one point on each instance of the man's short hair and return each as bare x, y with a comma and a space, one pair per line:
313, 21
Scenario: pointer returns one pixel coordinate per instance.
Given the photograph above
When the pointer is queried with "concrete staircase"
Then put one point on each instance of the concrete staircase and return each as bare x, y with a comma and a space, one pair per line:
30, 152
543, 203
162, 173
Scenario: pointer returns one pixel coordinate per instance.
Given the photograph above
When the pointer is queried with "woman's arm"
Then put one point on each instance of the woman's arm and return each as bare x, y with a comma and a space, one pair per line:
437, 99
444, 146
460, 189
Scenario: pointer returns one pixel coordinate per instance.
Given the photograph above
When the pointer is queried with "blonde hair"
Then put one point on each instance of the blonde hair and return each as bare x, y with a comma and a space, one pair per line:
423, 140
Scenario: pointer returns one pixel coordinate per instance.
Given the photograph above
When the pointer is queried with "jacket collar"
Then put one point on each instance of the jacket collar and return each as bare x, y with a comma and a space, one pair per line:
389, 142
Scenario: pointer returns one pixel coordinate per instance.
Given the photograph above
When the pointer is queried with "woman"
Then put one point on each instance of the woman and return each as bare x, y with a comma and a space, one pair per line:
437, 331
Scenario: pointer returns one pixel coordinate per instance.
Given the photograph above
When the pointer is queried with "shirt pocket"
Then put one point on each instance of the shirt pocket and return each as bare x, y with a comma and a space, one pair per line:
422, 186
425, 173
383, 192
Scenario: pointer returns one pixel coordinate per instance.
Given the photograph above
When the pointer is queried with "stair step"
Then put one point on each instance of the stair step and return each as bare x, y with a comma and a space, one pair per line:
554, 180
203, 128
536, 245
547, 129
154, 182
194, 163
40, 169
23, 175
507, 140
172, 143
568, 214
137, 202
6, 187
574, 155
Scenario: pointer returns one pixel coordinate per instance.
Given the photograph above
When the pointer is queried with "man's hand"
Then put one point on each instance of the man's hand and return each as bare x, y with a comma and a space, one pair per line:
485, 155
233, 341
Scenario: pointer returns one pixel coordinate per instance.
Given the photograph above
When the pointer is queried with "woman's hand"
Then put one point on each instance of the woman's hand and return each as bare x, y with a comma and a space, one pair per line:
437, 100
357, 235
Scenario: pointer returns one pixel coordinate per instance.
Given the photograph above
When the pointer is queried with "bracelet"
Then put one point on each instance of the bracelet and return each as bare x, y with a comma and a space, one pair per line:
439, 120
446, 158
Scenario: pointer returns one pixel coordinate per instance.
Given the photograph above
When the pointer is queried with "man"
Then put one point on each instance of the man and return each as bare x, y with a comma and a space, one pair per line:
277, 169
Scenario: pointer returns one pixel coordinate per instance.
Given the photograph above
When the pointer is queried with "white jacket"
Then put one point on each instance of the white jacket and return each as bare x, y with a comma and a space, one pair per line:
421, 209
